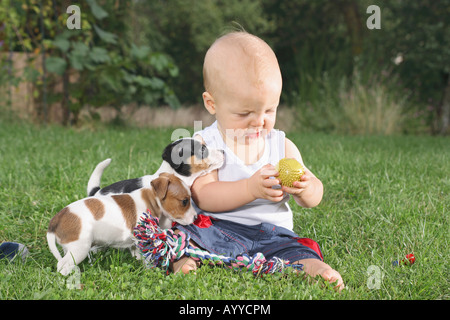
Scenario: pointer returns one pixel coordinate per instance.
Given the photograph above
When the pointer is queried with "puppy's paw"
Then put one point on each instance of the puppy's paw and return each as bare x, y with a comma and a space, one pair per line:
65, 269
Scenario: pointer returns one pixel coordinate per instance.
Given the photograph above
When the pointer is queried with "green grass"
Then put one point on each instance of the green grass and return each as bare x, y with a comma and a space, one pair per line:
384, 197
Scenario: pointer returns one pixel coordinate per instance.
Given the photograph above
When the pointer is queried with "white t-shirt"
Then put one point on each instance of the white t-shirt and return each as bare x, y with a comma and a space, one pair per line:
259, 210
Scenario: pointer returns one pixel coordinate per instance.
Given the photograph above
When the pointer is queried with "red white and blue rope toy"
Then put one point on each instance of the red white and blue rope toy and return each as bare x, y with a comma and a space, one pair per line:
159, 247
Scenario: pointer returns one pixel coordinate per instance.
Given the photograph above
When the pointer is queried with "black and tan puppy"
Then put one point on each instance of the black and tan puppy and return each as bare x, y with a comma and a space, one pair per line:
186, 158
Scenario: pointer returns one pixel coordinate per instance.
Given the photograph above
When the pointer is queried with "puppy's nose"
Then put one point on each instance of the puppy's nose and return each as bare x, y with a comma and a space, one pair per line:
223, 151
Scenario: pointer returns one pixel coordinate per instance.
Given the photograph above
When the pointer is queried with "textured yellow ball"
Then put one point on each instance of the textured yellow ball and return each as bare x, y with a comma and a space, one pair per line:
290, 170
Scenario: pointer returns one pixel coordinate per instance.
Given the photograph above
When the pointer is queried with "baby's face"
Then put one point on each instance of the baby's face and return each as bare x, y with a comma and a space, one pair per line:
245, 111
244, 82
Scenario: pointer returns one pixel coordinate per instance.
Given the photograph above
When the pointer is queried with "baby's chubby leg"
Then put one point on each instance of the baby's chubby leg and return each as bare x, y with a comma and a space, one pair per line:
314, 267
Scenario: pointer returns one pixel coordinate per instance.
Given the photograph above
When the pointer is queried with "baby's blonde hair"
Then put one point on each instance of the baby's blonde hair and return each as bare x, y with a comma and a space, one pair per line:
254, 52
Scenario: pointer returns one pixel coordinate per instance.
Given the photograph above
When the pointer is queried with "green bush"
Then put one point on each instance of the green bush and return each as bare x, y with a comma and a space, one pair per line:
355, 106
96, 64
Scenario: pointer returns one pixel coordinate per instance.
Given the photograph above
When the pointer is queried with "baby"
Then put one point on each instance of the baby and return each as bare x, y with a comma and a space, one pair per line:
246, 209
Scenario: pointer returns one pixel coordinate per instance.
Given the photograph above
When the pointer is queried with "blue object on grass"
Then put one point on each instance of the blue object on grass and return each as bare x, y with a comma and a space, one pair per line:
11, 249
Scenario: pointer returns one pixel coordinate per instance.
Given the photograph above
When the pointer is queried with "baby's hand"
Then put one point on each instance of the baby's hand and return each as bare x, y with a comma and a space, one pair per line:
299, 187
260, 185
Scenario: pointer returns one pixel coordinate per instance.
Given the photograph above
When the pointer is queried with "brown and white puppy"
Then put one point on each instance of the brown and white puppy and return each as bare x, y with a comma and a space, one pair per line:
109, 220
187, 158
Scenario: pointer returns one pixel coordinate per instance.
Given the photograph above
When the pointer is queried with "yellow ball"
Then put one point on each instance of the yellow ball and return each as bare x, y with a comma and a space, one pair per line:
290, 170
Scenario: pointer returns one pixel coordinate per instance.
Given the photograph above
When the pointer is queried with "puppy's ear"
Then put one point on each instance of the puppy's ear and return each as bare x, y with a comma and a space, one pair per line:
161, 185
166, 153
170, 154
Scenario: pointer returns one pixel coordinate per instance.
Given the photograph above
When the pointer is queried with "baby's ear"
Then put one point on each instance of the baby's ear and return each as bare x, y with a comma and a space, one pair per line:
209, 103
198, 138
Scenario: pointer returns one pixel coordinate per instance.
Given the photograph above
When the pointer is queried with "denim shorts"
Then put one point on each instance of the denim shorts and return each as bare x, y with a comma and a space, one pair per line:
233, 239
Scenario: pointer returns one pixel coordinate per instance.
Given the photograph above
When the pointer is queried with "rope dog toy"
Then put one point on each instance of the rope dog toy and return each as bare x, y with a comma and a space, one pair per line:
159, 247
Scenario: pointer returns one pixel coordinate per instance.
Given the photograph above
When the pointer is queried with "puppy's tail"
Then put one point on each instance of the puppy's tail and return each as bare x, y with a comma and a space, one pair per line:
51, 240
96, 177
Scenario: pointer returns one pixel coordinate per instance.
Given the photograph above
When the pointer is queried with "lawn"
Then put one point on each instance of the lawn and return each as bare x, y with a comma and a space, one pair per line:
385, 197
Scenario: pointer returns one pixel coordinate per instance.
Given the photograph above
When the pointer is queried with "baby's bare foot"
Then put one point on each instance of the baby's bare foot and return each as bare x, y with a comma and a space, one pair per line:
332, 276
185, 265
315, 267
